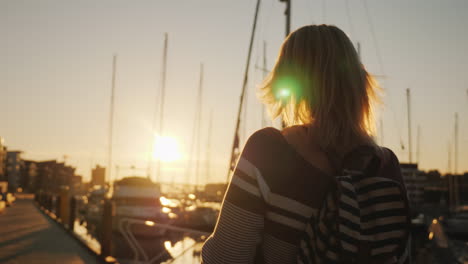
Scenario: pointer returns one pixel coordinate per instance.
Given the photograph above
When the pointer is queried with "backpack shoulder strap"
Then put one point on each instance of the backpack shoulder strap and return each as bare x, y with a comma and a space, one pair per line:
361, 158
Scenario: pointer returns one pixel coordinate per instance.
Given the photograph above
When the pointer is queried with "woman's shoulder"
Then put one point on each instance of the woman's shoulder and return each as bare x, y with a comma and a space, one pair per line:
390, 165
267, 131
295, 134
266, 152
273, 138
263, 140
387, 156
291, 133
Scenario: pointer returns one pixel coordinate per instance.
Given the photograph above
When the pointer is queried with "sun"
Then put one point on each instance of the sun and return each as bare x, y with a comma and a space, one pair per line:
166, 149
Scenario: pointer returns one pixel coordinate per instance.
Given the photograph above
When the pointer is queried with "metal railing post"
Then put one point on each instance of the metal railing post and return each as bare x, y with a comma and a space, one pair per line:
57, 205
71, 223
64, 205
47, 201
106, 229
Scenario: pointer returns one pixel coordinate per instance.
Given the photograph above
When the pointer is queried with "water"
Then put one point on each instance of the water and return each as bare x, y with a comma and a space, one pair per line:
174, 247
177, 247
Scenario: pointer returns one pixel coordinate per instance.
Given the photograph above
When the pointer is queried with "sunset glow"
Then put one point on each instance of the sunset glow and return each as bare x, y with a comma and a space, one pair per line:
166, 149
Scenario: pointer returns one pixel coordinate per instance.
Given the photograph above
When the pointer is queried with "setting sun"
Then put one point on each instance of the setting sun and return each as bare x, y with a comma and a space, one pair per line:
166, 149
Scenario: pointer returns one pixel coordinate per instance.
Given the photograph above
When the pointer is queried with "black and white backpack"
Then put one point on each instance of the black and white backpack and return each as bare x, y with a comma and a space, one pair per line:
364, 219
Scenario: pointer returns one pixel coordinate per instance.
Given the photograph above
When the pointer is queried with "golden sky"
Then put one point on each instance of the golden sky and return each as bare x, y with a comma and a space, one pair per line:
56, 64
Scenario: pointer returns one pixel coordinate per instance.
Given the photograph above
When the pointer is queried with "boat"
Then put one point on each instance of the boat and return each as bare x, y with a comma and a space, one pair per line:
92, 205
201, 216
456, 223
139, 198
197, 215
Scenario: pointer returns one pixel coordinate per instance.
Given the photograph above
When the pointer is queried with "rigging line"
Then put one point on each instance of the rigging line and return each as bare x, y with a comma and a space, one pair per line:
324, 11
268, 16
195, 130
257, 104
244, 117
244, 85
111, 119
264, 75
348, 14
309, 7
258, 47
208, 148
153, 130
381, 65
199, 120
396, 122
263, 28
188, 169
374, 38
161, 108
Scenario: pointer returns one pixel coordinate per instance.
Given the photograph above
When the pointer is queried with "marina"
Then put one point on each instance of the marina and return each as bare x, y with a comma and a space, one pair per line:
438, 235
123, 130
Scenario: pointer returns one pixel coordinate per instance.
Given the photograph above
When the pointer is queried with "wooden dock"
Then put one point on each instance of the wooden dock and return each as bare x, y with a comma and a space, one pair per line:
28, 236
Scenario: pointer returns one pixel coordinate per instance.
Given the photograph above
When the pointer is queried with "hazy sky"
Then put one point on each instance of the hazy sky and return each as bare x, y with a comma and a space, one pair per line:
56, 59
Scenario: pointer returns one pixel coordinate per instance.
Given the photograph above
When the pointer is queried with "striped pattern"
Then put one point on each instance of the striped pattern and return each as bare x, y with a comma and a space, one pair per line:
367, 215
230, 244
380, 213
272, 198
240, 232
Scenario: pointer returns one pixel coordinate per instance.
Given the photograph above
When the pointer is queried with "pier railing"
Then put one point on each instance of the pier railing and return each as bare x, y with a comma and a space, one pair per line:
125, 229
63, 208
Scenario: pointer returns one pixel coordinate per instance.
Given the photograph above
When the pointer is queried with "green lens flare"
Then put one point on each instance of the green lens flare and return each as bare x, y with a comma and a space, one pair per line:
285, 87
284, 92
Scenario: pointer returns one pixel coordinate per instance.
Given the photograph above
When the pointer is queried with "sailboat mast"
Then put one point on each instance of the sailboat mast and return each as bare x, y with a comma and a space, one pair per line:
455, 154
195, 142
450, 177
153, 133
235, 144
161, 107
111, 120
287, 13
418, 146
208, 148
408, 102
449, 163
264, 123
455, 163
198, 122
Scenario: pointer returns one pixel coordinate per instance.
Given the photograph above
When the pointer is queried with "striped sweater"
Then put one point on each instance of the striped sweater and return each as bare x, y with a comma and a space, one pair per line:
272, 195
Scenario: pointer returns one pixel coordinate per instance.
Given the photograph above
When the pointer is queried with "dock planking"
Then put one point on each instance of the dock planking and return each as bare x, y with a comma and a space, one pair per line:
28, 236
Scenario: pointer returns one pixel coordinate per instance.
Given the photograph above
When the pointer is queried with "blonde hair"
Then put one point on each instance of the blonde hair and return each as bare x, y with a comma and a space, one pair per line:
318, 79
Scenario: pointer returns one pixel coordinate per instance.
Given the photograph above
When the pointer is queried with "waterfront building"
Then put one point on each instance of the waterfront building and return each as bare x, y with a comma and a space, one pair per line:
3, 154
435, 189
415, 181
52, 174
44, 174
13, 169
98, 176
464, 188
28, 175
63, 176
76, 186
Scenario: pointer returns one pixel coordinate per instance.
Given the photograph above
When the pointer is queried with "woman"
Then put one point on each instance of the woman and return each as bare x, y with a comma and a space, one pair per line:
324, 95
